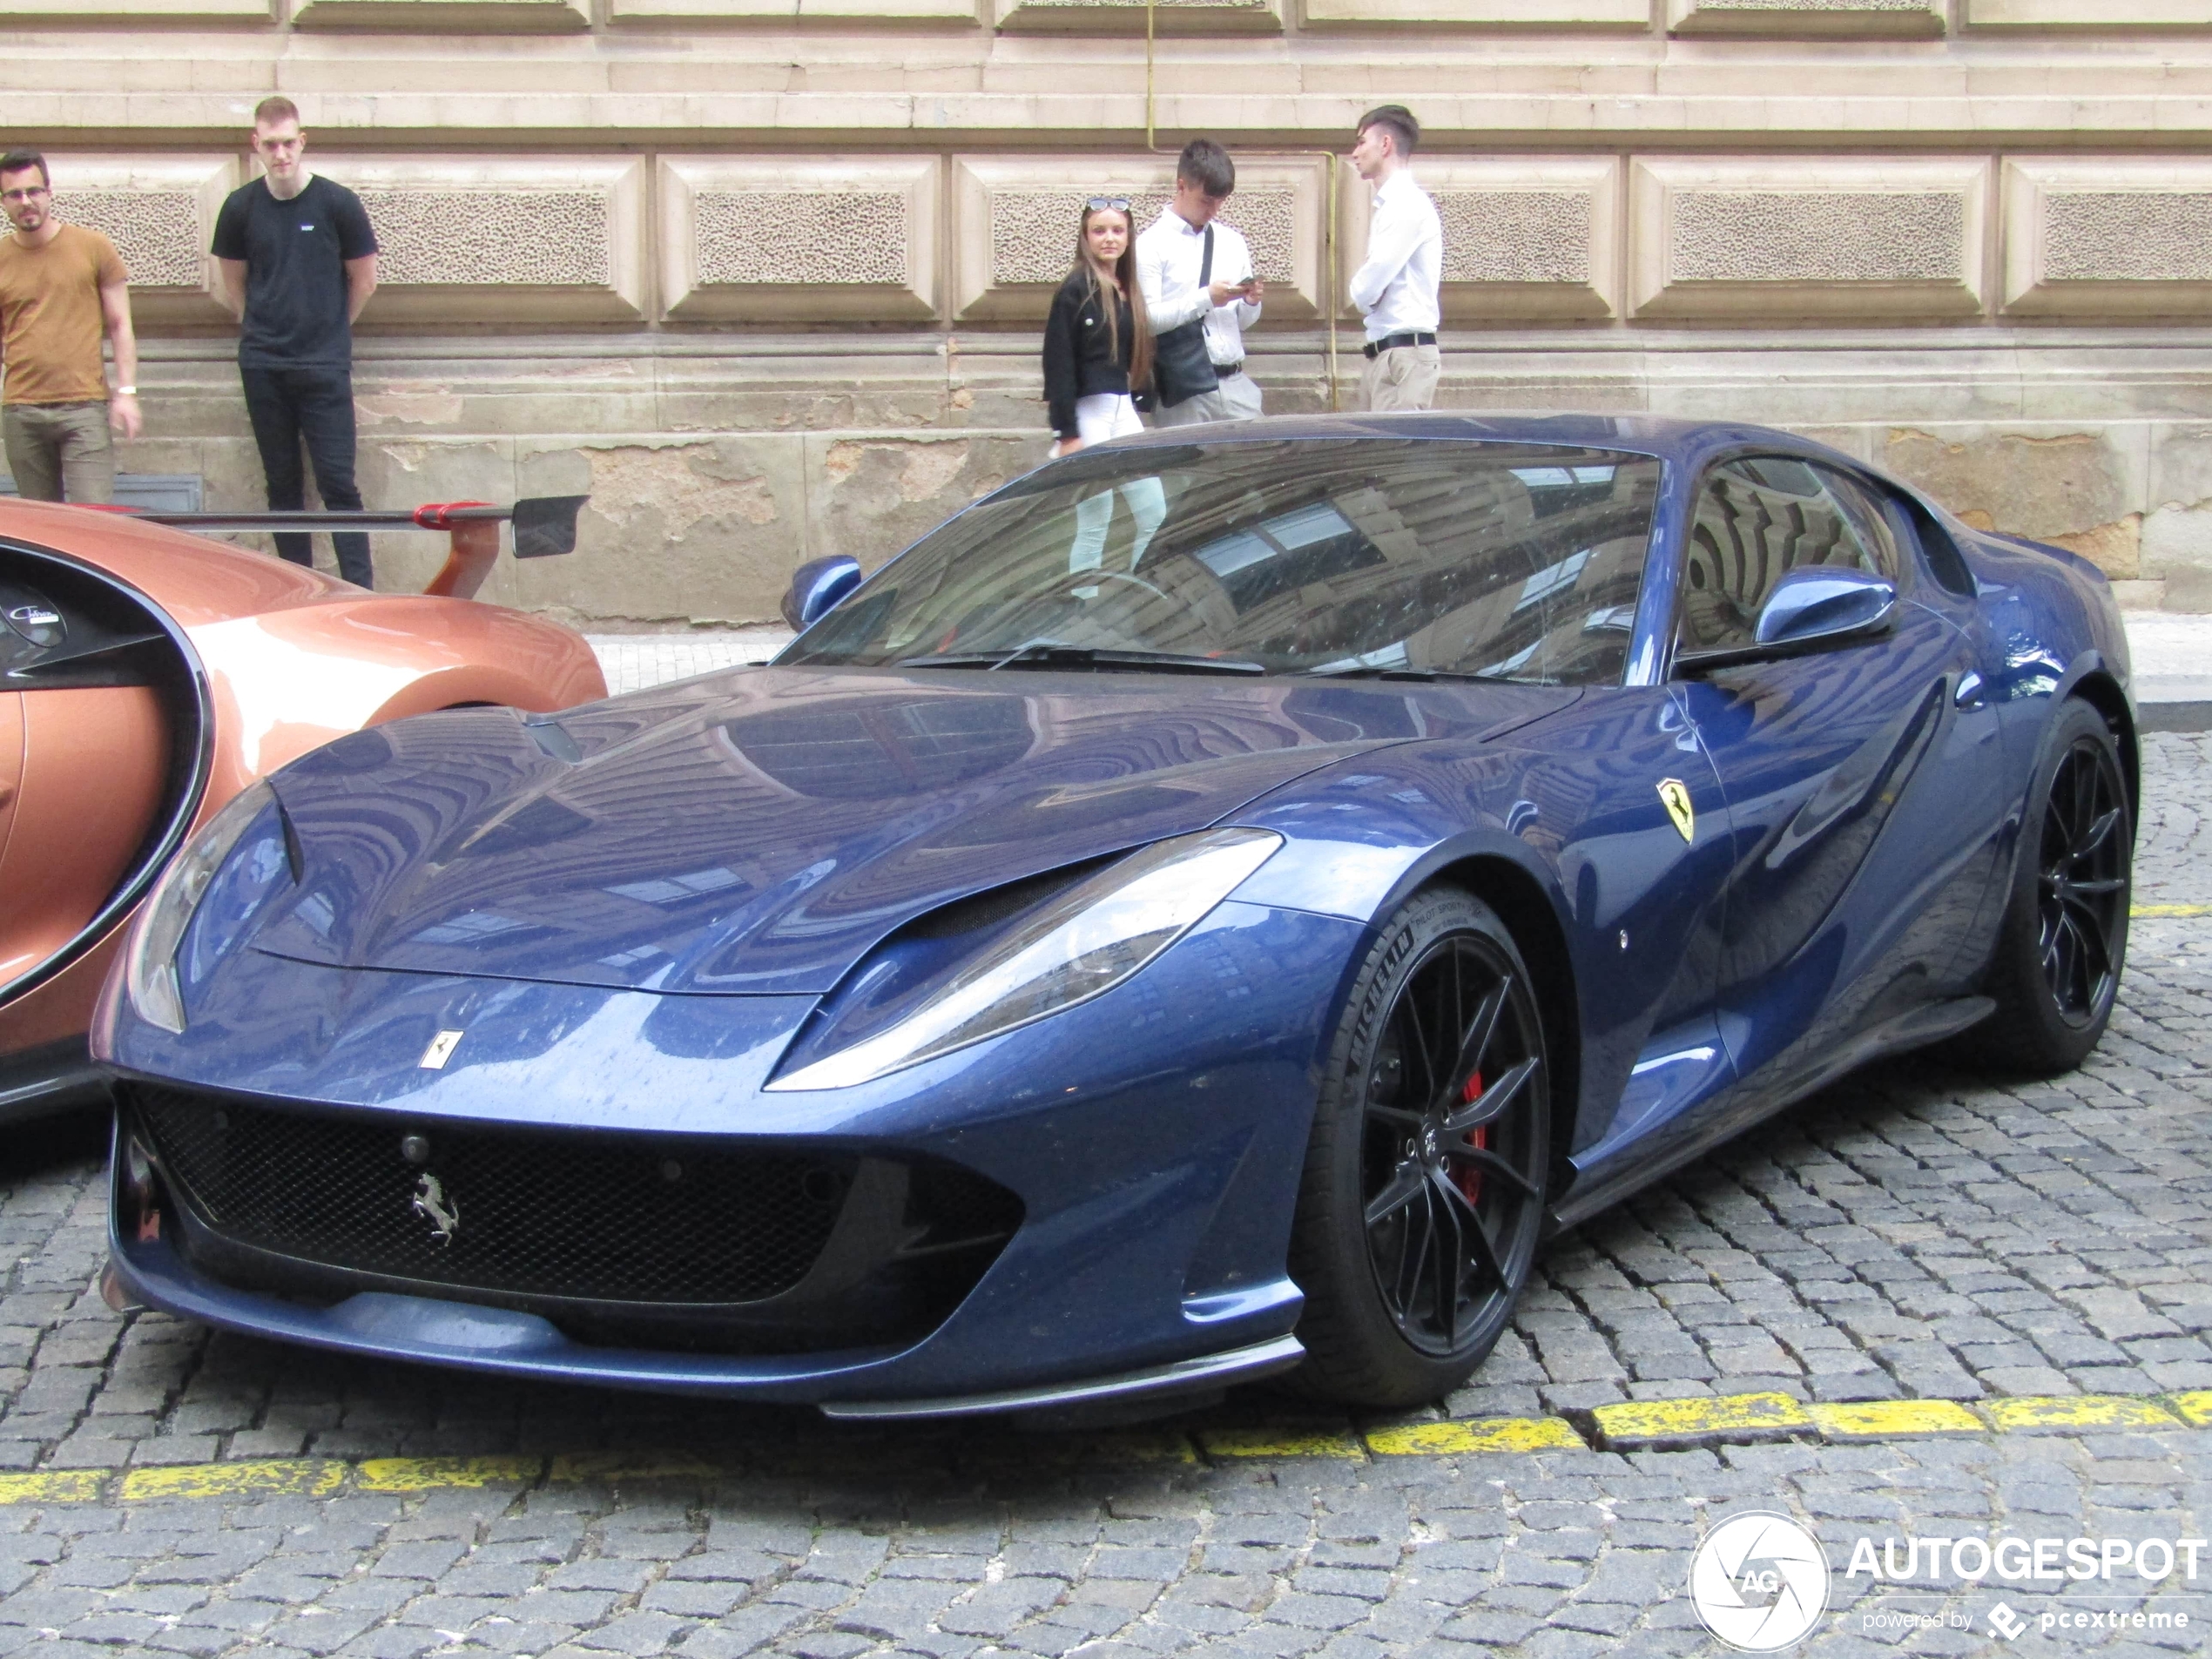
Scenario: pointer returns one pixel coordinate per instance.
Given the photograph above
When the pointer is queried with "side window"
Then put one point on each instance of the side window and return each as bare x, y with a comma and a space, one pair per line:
1757, 521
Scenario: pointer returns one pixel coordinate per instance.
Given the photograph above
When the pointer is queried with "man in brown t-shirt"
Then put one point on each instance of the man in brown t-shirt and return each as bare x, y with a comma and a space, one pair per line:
62, 287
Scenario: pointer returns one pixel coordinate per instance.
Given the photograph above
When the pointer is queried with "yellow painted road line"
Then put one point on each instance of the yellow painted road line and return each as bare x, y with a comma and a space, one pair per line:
2194, 1408
53, 1486
2155, 910
1882, 1419
1647, 1423
301, 1477
1665, 1421
1476, 1434
1287, 1441
446, 1473
2078, 1411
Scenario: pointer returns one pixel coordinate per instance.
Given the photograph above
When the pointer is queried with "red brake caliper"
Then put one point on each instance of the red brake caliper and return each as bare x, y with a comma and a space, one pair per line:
1470, 1178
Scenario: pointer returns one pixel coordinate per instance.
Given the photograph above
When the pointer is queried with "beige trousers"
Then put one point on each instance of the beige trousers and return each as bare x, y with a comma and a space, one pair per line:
1402, 378
59, 451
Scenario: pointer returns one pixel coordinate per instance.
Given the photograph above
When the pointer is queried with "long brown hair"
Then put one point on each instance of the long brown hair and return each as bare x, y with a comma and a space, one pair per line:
1140, 352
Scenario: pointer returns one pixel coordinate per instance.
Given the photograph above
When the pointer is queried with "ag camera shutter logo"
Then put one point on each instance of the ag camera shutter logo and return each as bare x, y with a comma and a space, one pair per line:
1759, 1582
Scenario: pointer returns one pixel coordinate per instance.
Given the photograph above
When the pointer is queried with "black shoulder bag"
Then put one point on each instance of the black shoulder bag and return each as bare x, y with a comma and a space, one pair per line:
1181, 368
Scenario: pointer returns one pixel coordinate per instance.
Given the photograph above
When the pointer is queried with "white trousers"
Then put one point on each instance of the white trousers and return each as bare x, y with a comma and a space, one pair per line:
1110, 415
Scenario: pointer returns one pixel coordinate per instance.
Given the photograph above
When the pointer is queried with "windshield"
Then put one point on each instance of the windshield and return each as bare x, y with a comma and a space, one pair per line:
1357, 556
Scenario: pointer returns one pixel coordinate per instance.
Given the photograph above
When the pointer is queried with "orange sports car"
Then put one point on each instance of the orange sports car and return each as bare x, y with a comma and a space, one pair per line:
147, 675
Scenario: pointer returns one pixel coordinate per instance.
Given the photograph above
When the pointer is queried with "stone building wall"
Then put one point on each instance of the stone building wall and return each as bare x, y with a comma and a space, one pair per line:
764, 276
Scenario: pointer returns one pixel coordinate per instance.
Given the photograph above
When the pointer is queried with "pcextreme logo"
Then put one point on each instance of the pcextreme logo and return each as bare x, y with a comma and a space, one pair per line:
1759, 1582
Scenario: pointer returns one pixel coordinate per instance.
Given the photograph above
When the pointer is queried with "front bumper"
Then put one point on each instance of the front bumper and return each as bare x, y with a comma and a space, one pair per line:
1153, 1137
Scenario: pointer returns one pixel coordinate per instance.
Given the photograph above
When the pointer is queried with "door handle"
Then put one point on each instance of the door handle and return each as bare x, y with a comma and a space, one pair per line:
1969, 691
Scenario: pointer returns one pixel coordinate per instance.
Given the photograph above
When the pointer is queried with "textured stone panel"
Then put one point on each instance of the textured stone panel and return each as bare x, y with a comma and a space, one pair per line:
498, 239
1016, 238
1482, 14
140, 11
1808, 239
159, 212
1127, 17
2115, 236
1862, 17
821, 239
469, 17
2089, 14
1524, 236
710, 11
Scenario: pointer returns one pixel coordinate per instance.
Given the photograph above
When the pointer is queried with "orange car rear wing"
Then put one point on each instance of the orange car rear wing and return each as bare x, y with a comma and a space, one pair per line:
544, 526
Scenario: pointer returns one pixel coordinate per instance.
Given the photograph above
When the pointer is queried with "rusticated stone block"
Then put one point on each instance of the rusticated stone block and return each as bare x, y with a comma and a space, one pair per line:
469, 17
1015, 236
1790, 239
1806, 18
2089, 14
2082, 488
1525, 238
816, 241
857, 11
1483, 14
724, 519
2109, 238
140, 12
1127, 17
159, 212
497, 239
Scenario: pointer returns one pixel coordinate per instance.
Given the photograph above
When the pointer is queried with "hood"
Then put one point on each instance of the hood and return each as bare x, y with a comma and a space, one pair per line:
757, 832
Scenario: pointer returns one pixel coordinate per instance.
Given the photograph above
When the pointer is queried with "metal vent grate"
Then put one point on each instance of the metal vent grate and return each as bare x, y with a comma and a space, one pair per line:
567, 1213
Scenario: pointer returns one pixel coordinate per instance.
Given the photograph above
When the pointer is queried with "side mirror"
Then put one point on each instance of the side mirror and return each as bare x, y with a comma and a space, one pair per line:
1823, 605
817, 588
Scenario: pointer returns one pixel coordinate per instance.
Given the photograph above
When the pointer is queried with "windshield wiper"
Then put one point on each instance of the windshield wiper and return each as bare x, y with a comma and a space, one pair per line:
1369, 672
1048, 655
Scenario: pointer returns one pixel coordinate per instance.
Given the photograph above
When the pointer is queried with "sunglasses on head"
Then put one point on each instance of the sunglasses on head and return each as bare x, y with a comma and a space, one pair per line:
1119, 203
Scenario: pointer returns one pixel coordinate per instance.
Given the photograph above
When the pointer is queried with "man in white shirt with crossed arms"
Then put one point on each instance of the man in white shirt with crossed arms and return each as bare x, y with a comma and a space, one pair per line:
1396, 289
1170, 255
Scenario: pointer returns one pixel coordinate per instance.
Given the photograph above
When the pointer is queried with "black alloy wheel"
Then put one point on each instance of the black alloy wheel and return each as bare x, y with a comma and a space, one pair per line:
2055, 971
1425, 1180
2081, 882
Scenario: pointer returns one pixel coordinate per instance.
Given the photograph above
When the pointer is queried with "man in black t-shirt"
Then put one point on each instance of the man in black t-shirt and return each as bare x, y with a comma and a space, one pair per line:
299, 261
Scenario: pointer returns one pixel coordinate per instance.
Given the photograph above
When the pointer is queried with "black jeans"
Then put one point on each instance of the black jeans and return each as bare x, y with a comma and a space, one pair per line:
285, 406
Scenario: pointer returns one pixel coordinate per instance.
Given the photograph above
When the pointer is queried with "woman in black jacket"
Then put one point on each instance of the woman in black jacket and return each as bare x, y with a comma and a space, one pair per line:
1097, 348
1097, 351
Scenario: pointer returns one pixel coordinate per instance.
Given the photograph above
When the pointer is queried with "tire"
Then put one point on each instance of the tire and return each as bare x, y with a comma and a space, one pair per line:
2063, 942
1402, 1162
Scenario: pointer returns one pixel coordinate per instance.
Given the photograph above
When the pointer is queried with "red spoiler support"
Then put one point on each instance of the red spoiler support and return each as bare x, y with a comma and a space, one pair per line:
545, 527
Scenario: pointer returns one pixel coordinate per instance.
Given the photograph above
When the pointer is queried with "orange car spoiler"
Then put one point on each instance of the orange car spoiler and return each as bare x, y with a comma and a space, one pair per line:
544, 526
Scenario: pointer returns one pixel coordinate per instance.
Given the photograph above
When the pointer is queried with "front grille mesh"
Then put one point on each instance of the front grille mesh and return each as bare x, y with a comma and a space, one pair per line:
568, 1213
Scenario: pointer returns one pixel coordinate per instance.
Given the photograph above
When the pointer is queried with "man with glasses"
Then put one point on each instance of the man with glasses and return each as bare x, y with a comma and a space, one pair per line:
61, 288
1200, 294
299, 262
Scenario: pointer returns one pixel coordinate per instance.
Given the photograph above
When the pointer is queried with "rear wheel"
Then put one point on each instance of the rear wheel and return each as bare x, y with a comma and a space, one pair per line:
2064, 939
1423, 1187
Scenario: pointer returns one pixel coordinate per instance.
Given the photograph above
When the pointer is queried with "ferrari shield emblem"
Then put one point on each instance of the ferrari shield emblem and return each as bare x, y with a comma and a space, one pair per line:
1673, 795
442, 1045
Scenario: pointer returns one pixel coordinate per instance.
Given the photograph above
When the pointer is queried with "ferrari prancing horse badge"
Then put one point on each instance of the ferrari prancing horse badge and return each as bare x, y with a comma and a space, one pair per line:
1673, 795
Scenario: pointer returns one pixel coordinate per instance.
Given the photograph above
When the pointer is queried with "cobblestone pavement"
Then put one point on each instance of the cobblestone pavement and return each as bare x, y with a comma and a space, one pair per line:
1910, 1233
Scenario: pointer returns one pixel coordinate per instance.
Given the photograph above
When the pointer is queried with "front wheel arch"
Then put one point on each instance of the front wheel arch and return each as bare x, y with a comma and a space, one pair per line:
1528, 914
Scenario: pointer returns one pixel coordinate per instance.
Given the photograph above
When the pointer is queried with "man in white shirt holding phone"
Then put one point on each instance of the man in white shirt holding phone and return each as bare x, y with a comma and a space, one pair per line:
1397, 289
1194, 270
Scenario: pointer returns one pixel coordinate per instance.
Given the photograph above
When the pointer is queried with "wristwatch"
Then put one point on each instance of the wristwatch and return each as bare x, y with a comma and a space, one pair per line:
126, 391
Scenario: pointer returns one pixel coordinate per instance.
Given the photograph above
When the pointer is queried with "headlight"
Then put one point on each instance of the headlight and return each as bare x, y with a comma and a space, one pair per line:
1079, 946
150, 969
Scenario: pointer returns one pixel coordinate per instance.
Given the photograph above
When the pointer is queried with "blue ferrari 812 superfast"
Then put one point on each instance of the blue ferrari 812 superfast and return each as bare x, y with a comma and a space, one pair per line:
1208, 910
